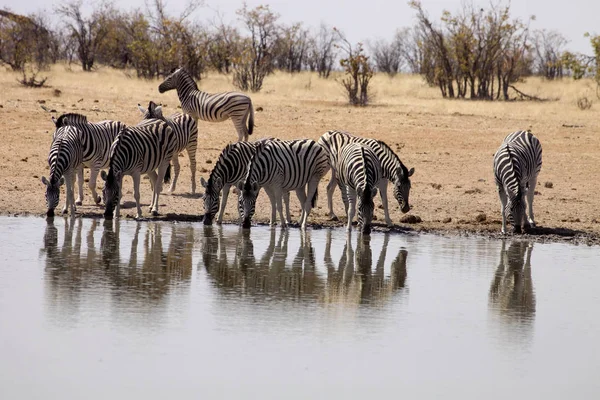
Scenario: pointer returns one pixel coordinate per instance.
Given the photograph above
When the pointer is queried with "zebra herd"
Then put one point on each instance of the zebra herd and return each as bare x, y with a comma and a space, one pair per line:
360, 167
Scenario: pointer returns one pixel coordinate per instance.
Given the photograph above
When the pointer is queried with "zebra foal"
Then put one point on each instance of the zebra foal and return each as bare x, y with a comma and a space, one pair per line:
230, 168
281, 166
138, 150
358, 171
517, 164
216, 107
185, 128
393, 170
65, 158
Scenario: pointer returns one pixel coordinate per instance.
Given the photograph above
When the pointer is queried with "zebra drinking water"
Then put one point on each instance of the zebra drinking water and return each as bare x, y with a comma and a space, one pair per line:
137, 150
64, 158
186, 137
517, 164
281, 166
358, 171
96, 140
216, 107
393, 170
230, 168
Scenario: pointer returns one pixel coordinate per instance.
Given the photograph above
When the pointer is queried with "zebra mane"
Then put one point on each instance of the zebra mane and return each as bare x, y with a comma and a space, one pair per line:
366, 187
187, 77
70, 118
117, 144
393, 154
53, 178
512, 164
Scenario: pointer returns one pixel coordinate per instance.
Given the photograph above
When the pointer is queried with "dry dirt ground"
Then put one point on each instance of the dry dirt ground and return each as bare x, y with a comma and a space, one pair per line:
450, 143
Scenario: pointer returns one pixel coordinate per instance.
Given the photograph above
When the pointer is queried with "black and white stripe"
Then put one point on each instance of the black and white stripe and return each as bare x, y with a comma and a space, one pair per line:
230, 168
64, 158
517, 164
138, 150
216, 107
393, 169
281, 166
96, 139
358, 171
186, 138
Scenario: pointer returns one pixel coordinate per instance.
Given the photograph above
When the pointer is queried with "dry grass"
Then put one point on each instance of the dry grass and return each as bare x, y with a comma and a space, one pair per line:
450, 143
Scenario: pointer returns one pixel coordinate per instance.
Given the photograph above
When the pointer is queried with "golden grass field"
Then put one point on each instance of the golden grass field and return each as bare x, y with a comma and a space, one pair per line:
449, 142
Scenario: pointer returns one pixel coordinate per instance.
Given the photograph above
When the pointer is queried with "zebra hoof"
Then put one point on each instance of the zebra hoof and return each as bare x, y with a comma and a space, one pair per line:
334, 218
79, 203
155, 213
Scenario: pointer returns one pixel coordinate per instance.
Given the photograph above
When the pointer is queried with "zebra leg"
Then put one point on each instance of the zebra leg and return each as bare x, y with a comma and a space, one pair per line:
92, 183
311, 191
330, 190
158, 186
503, 201
152, 177
176, 168
136, 193
79, 200
384, 201
70, 193
224, 203
530, 194
269, 192
286, 200
191, 150
240, 127
351, 210
278, 197
301, 194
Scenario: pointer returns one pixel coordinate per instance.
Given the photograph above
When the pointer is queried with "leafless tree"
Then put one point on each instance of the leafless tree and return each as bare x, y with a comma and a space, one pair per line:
548, 47
322, 51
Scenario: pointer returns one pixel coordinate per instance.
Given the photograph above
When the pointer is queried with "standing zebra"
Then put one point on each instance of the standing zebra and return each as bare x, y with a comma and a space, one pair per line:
137, 150
517, 164
230, 168
64, 158
216, 107
358, 171
96, 139
281, 166
393, 170
186, 137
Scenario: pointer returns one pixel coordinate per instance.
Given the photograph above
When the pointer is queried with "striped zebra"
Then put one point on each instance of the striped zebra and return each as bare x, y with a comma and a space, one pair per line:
96, 138
230, 168
281, 166
216, 107
137, 150
517, 164
64, 158
358, 171
393, 170
186, 137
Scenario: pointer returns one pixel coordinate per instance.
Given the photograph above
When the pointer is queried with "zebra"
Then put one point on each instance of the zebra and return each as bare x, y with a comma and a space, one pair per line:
517, 164
358, 171
65, 156
281, 166
137, 150
216, 107
393, 170
230, 168
186, 137
97, 139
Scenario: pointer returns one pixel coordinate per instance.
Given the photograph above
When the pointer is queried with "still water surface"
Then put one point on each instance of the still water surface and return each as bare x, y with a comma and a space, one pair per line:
149, 310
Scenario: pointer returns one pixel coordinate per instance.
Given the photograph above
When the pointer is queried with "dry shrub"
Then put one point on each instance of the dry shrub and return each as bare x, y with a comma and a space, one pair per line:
584, 103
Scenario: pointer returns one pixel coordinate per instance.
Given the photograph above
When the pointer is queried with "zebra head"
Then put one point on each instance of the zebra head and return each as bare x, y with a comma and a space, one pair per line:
111, 193
248, 192
52, 193
211, 198
365, 206
515, 210
402, 187
153, 111
171, 82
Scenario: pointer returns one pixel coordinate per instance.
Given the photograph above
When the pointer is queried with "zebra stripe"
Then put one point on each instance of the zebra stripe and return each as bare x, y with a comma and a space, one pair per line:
185, 128
393, 169
216, 107
64, 158
358, 171
97, 139
138, 150
517, 164
281, 166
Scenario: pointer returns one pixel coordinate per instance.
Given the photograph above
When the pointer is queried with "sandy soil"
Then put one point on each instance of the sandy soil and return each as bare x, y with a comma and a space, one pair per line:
450, 144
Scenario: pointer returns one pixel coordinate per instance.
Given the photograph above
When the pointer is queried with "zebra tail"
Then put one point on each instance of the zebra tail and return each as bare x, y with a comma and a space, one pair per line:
251, 120
168, 174
313, 202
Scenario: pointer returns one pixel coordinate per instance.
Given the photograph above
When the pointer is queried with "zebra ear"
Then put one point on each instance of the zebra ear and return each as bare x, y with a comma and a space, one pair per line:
203, 183
45, 181
411, 171
373, 193
103, 175
61, 181
142, 110
158, 109
359, 192
54, 121
218, 182
240, 185
255, 186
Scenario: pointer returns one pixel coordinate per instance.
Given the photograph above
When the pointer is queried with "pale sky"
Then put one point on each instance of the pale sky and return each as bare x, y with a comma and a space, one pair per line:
372, 19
